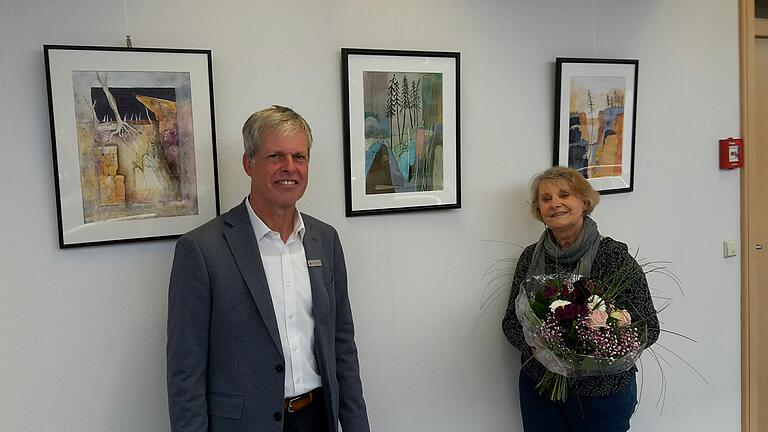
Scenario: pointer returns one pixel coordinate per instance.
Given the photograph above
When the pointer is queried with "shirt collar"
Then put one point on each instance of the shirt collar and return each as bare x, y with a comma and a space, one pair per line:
260, 229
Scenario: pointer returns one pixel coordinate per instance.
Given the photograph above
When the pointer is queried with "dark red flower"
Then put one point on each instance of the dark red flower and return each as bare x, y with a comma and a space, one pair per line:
571, 311
582, 290
550, 291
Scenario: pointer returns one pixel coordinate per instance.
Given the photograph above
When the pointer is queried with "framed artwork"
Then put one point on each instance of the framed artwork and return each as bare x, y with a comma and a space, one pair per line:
596, 105
132, 131
401, 130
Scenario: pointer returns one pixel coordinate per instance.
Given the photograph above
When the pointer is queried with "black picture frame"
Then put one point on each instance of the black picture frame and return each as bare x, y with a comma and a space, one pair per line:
401, 149
133, 142
595, 120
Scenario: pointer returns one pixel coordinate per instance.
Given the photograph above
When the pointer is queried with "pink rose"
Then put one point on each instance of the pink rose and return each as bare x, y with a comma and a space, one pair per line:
622, 317
597, 318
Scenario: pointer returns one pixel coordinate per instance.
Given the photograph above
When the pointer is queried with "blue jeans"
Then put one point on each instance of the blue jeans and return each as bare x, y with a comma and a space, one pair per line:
577, 413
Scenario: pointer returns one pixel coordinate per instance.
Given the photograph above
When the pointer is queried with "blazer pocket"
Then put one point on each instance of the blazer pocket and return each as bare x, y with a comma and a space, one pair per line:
230, 407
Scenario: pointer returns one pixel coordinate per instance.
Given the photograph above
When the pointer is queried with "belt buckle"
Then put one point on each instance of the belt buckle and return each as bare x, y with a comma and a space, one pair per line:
291, 401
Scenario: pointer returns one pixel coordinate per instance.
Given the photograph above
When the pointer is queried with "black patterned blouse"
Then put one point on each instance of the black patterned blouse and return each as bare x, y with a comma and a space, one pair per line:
611, 257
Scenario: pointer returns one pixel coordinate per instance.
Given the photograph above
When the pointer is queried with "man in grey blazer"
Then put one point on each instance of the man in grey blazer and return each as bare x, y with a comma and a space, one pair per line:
260, 333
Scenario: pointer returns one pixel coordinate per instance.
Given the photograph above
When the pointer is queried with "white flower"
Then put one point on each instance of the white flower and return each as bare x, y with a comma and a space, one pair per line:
557, 303
594, 301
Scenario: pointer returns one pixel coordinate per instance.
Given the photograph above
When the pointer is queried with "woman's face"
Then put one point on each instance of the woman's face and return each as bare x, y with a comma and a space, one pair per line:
559, 207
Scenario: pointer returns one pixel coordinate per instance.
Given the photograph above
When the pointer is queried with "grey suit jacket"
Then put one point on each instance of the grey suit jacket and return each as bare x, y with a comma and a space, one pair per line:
226, 368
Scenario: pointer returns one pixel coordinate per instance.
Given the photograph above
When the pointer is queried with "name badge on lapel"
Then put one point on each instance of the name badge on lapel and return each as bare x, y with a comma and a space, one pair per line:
315, 263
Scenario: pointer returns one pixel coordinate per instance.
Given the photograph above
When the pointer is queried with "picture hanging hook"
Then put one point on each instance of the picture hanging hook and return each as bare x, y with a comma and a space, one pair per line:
128, 42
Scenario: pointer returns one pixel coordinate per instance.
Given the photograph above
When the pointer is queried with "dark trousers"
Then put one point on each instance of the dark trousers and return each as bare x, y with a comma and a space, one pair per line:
311, 419
577, 413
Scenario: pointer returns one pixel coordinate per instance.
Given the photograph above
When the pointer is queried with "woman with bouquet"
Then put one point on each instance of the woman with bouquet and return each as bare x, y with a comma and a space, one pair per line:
563, 200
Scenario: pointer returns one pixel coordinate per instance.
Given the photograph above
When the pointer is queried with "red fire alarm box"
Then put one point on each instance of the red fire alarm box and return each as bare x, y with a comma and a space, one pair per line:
731, 153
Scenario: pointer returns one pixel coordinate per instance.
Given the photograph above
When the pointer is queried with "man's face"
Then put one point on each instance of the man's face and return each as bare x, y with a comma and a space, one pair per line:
279, 172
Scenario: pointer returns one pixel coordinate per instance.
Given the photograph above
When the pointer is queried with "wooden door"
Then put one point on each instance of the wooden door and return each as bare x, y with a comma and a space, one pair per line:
756, 242
754, 195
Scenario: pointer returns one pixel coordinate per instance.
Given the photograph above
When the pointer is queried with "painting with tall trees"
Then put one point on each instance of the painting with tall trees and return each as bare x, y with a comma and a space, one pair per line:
402, 130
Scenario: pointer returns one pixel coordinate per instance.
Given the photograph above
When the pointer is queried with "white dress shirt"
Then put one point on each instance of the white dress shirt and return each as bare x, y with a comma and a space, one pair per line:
285, 265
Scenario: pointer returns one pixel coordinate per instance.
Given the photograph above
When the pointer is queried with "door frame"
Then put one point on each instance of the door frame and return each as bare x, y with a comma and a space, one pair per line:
750, 29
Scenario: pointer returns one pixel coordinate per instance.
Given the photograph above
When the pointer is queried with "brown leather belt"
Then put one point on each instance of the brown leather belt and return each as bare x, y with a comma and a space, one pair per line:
298, 403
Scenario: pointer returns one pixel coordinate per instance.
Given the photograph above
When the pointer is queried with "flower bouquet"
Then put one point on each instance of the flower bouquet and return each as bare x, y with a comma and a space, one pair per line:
576, 329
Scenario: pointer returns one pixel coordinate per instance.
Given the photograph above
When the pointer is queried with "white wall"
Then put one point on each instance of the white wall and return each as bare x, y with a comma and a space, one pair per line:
82, 330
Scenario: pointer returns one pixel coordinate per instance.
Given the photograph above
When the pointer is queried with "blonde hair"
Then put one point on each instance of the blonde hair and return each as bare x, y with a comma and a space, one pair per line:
276, 118
576, 182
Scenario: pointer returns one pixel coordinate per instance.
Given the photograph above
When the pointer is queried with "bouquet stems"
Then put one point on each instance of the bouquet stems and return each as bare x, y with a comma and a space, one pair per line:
553, 385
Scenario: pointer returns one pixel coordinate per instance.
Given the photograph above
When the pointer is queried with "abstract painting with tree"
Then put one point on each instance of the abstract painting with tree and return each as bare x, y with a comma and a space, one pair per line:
136, 144
596, 125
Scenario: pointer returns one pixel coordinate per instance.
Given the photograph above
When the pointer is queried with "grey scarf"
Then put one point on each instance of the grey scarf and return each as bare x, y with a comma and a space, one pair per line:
583, 251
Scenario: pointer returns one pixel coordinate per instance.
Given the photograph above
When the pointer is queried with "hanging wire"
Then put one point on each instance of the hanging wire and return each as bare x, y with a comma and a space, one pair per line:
128, 42
594, 31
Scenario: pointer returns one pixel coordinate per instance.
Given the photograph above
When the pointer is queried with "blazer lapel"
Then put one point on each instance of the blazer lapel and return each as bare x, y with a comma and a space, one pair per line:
313, 249
245, 249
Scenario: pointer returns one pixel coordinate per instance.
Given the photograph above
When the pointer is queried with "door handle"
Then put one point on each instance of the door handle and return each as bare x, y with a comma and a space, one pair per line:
758, 246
